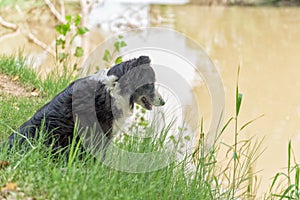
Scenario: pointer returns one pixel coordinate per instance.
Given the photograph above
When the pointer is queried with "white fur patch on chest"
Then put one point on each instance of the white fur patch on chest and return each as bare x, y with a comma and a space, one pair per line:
120, 102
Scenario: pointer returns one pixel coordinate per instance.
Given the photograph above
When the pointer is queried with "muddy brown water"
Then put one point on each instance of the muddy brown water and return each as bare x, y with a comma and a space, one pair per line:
265, 42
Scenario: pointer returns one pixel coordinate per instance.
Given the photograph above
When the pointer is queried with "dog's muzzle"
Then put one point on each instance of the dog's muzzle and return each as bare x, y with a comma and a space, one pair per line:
159, 101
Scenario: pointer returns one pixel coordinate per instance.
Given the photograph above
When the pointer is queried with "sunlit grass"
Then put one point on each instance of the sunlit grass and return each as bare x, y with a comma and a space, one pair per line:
42, 175
50, 86
18, 109
15, 66
15, 111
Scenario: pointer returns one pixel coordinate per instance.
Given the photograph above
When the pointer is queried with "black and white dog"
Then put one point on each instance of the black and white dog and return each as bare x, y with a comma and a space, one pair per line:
105, 98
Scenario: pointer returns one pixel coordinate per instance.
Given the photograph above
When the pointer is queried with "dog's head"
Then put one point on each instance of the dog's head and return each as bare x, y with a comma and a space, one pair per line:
147, 96
136, 80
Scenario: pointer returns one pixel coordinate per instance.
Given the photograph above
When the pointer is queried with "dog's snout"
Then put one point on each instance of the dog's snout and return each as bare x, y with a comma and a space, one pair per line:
158, 100
161, 102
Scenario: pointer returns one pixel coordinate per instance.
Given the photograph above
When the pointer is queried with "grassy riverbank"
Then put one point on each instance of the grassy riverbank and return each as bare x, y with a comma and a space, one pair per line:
37, 174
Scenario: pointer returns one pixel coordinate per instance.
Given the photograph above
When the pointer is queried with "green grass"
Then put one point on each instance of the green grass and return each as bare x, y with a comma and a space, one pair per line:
15, 111
42, 175
16, 66
18, 109
285, 185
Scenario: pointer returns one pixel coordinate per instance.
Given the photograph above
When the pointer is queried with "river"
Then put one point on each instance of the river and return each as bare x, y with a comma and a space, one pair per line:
265, 42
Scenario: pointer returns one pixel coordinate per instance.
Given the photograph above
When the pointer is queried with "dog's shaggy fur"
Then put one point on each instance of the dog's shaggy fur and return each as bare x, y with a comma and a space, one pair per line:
108, 95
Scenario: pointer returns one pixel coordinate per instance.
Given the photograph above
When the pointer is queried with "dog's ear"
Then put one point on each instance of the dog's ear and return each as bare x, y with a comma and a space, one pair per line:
122, 68
142, 60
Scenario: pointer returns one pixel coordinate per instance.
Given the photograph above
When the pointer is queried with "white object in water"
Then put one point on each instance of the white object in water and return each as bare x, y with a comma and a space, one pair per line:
113, 16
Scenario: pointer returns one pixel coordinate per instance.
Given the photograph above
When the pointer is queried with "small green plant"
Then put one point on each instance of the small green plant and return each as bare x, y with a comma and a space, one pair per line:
68, 31
236, 179
244, 154
140, 117
108, 56
291, 177
74, 146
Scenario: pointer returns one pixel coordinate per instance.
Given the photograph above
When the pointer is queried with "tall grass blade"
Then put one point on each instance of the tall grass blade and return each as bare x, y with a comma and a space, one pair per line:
289, 162
297, 178
225, 126
75, 146
288, 189
250, 122
238, 95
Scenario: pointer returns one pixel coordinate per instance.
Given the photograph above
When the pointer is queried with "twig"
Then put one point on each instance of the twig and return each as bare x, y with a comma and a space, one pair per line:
62, 9
32, 38
54, 11
8, 25
91, 4
8, 35
86, 7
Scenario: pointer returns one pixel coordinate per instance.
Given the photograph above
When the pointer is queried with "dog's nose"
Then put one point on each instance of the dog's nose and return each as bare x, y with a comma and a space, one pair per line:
161, 102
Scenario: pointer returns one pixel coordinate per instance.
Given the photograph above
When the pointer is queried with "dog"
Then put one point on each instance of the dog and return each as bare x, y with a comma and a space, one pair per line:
105, 98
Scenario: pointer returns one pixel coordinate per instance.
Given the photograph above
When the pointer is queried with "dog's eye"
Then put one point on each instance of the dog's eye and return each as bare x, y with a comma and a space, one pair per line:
149, 86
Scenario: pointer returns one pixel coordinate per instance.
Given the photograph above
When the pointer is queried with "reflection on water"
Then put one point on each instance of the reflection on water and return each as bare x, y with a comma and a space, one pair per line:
265, 42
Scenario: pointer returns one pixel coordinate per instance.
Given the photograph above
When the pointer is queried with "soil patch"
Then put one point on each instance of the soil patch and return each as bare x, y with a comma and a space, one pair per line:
10, 85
